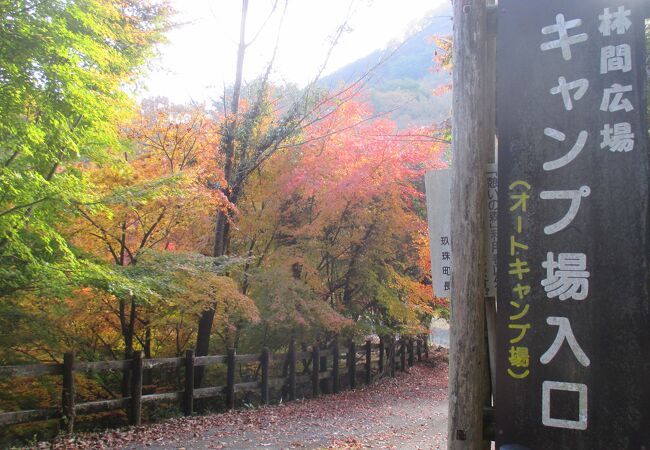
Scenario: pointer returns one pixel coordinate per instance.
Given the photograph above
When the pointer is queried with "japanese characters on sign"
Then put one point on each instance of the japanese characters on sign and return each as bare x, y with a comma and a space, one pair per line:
573, 307
491, 231
518, 270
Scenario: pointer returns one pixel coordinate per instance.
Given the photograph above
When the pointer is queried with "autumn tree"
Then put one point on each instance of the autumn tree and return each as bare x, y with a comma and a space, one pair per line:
341, 222
154, 198
253, 131
359, 191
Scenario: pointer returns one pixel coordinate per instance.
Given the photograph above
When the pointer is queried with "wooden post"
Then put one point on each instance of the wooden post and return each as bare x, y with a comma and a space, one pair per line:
292, 369
368, 361
418, 343
315, 369
264, 386
188, 393
468, 199
324, 383
230, 379
352, 364
402, 355
67, 399
126, 376
410, 349
284, 393
336, 359
382, 351
136, 389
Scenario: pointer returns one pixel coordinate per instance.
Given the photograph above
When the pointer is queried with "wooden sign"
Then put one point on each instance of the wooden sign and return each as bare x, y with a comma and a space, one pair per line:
438, 184
573, 346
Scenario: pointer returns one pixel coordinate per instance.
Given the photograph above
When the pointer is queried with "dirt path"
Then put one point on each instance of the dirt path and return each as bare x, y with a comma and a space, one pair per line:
409, 412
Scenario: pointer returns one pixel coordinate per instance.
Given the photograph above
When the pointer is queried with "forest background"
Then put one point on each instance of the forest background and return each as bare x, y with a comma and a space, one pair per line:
271, 213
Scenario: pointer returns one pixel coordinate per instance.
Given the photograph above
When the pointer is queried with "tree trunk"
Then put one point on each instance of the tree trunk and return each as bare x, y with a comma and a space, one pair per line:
222, 227
221, 233
128, 334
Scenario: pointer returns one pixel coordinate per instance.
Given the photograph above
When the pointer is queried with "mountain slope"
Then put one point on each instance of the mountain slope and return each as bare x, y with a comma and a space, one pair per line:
405, 79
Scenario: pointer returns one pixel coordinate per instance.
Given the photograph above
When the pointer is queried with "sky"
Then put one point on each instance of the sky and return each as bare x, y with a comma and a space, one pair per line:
199, 58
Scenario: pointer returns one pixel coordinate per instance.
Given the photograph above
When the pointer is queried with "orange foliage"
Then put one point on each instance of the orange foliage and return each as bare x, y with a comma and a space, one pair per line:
340, 214
158, 196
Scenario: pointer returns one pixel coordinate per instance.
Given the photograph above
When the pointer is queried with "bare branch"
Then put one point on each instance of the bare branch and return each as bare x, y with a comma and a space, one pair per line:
275, 5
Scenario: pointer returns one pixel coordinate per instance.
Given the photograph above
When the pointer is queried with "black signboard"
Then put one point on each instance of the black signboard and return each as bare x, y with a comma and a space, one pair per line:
573, 368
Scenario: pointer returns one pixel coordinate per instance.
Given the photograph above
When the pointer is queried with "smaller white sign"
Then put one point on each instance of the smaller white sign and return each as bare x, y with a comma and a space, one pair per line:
438, 195
437, 184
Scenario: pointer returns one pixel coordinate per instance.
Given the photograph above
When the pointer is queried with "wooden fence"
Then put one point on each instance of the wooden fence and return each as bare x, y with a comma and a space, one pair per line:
380, 356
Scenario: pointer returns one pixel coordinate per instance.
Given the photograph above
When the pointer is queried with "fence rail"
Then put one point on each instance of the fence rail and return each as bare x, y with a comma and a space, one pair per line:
382, 356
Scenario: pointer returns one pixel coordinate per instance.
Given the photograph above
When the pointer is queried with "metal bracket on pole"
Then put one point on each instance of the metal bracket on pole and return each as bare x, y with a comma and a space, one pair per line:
489, 425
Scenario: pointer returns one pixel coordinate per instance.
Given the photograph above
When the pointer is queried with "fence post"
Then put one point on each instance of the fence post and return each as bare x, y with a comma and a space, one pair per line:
188, 393
68, 394
402, 355
368, 361
126, 376
315, 369
136, 389
418, 343
264, 387
292, 369
324, 383
230, 379
335, 366
382, 350
410, 349
352, 363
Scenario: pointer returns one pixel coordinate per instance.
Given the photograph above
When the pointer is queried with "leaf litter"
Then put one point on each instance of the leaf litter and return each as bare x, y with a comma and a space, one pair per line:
407, 412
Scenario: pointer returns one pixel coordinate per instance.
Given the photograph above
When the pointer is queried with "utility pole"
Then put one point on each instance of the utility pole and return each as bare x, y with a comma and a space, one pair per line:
468, 358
